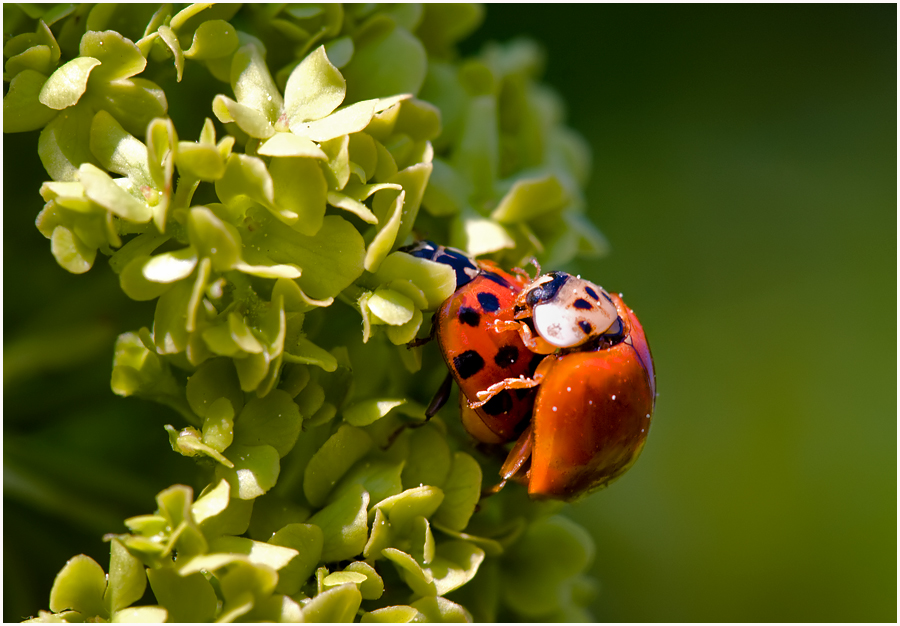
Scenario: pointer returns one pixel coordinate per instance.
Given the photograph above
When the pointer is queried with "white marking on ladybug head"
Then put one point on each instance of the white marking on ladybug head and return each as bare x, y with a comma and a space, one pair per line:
568, 311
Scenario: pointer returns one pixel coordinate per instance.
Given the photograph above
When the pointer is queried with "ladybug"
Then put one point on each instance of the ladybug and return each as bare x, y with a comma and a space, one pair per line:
556, 363
596, 387
477, 354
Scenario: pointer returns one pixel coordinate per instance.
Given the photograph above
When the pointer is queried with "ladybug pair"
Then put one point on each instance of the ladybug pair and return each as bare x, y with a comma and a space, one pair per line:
555, 363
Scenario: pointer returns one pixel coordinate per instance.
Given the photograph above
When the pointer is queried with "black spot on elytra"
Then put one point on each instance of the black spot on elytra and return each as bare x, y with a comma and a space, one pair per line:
501, 403
583, 304
468, 364
586, 327
488, 302
469, 316
497, 279
592, 293
506, 356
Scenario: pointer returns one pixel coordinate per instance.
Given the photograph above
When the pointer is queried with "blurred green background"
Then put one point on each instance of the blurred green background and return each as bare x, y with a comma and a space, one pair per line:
745, 175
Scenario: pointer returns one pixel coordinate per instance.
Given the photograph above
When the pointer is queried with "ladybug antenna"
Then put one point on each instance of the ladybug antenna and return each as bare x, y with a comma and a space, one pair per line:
531, 261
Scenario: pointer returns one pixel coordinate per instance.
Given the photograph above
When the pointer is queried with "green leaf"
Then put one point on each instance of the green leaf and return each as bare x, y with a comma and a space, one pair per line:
387, 235
418, 579
414, 180
273, 420
350, 119
455, 564
37, 58
300, 193
381, 537
117, 150
214, 238
307, 540
330, 261
479, 235
251, 121
391, 307
214, 379
343, 524
337, 605
428, 462
258, 552
360, 210
245, 586
100, 188
477, 155
387, 60
367, 411
213, 39
67, 84
22, 110
134, 102
127, 580
437, 609
332, 460
245, 178
212, 503
447, 191
291, 145
551, 552
403, 508
170, 267
64, 143
380, 478
372, 585
314, 89
462, 490
252, 83
343, 578
70, 252
304, 351
201, 161
118, 56
398, 614
436, 280
79, 586
168, 37
529, 198
141, 615
255, 470
233, 520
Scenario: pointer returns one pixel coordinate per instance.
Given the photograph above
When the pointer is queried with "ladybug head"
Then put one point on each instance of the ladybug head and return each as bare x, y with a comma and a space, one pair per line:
568, 311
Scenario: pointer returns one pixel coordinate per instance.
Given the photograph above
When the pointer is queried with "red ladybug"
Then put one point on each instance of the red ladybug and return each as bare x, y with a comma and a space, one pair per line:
476, 354
596, 388
556, 363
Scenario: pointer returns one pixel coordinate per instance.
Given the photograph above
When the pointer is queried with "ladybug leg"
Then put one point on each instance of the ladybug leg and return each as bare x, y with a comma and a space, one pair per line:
509, 383
515, 461
438, 401
535, 343
516, 383
440, 397
421, 341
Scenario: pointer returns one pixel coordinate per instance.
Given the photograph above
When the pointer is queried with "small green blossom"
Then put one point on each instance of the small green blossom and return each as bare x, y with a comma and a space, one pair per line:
271, 251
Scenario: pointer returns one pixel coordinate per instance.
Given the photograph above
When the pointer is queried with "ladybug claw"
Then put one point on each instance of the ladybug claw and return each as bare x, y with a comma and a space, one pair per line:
490, 491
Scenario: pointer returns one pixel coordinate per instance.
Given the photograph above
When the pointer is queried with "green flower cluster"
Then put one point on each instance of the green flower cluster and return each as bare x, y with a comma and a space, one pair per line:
283, 306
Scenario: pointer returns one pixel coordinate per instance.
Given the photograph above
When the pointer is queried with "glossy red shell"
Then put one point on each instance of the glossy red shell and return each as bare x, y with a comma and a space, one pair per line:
479, 357
591, 414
